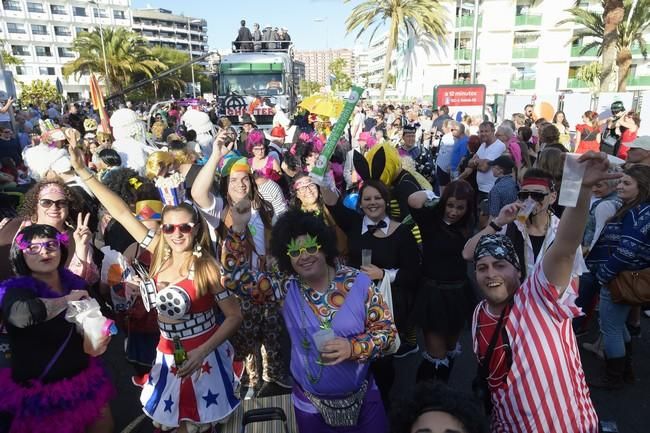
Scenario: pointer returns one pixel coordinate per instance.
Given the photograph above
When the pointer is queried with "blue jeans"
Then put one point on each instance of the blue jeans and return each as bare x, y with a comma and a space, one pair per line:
612, 324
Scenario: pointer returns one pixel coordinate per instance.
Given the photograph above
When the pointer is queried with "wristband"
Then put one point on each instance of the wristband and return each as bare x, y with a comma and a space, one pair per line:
495, 226
90, 176
144, 243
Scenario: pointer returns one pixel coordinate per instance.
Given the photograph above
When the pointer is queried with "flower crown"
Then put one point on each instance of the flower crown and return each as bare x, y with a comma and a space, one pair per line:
23, 244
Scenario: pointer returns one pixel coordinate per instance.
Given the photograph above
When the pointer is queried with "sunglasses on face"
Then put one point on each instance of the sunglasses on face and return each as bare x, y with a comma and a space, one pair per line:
537, 196
184, 228
36, 247
311, 250
47, 203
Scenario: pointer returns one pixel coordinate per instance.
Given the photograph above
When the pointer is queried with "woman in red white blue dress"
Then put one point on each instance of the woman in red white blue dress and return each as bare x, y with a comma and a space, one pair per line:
184, 288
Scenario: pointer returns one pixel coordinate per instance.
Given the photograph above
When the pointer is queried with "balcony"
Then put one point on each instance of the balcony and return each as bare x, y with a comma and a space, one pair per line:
591, 52
574, 83
522, 84
465, 54
468, 21
635, 49
525, 52
528, 20
643, 80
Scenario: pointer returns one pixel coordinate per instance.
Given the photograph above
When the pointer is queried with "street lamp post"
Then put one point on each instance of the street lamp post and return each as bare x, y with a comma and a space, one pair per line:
101, 35
189, 40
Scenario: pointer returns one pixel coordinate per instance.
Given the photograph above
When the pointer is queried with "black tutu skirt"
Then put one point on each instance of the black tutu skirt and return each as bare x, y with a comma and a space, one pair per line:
444, 307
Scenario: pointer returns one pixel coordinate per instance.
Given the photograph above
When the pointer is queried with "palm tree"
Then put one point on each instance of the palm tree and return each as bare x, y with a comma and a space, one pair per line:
415, 16
629, 31
126, 55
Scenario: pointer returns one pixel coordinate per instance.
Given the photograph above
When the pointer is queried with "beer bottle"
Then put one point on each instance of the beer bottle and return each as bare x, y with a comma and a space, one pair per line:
180, 355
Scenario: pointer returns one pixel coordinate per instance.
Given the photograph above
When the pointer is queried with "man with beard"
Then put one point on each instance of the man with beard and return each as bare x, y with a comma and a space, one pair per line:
529, 365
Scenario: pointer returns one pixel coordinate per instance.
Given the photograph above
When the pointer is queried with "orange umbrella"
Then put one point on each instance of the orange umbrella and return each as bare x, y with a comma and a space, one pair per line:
97, 99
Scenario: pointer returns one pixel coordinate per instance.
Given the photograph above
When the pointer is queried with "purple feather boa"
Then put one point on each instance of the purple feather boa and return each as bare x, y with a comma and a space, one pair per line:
69, 282
67, 406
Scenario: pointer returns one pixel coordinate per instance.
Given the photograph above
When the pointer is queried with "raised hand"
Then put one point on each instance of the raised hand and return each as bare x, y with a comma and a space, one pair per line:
597, 168
76, 157
508, 214
241, 215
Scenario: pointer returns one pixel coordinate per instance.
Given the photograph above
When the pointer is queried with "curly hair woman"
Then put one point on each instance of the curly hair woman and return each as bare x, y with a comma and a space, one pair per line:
50, 202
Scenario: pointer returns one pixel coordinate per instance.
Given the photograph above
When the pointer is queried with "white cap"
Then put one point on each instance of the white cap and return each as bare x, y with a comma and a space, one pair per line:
642, 142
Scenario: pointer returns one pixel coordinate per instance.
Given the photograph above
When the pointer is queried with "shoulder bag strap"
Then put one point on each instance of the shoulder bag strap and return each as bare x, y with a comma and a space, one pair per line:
56, 356
485, 364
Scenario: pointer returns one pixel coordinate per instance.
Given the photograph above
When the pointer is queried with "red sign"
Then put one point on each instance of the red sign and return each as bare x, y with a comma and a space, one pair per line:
460, 96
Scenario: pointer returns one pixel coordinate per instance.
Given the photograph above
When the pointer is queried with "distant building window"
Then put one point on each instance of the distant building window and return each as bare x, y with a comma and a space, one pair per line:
39, 29
43, 51
35, 7
119, 15
23, 70
79, 11
62, 31
80, 30
58, 10
99, 13
65, 52
11, 5
20, 50
15, 28
46, 70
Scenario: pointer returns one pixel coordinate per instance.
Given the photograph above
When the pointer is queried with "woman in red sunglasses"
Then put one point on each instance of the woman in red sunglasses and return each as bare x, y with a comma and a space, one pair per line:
51, 202
190, 386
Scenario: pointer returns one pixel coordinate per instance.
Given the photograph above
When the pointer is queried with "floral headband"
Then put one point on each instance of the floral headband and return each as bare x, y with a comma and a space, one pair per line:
23, 244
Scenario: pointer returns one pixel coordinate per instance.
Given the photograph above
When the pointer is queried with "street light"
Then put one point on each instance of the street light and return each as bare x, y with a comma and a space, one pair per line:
189, 39
101, 35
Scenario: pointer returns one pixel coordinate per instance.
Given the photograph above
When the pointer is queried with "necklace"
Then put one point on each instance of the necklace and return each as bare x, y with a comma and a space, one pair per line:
312, 376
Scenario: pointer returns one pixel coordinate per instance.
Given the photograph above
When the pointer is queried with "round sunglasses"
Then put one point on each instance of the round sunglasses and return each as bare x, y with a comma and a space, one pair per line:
184, 228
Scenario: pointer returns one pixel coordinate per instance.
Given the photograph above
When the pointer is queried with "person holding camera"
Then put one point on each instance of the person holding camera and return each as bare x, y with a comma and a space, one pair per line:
530, 375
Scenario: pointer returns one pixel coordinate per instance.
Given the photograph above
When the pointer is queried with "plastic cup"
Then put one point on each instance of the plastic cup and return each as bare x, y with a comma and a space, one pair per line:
526, 210
323, 336
366, 257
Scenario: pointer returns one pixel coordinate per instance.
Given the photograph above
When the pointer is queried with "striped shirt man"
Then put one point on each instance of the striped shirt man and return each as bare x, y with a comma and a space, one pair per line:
535, 377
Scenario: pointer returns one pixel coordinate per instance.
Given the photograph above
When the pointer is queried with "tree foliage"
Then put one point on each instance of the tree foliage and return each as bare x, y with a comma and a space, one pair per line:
127, 55
308, 88
342, 81
38, 92
627, 35
7, 58
414, 16
590, 73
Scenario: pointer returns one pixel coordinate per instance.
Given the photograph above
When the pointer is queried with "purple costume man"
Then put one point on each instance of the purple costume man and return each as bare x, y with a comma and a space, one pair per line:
354, 310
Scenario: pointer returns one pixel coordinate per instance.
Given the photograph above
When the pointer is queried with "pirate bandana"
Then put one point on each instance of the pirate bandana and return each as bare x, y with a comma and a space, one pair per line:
497, 246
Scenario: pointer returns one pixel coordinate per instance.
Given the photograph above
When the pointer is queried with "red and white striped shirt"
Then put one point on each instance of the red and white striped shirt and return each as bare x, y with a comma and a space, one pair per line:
545, 389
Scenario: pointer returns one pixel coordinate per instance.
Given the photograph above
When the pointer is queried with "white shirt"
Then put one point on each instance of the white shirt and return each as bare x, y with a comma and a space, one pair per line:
485, 180
367, 221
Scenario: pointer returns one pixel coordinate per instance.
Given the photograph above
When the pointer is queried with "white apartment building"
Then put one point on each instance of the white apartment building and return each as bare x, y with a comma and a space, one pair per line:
160, 27
520, 48
40, 33
317, 63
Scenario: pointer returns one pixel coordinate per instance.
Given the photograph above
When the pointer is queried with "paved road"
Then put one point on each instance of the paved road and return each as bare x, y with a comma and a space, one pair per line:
629, 407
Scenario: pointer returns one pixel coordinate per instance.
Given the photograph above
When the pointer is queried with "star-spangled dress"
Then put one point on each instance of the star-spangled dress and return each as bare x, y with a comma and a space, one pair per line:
205, 397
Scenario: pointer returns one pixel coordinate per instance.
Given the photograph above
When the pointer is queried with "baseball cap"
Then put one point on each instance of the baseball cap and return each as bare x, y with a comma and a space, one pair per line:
505, 162
642, 142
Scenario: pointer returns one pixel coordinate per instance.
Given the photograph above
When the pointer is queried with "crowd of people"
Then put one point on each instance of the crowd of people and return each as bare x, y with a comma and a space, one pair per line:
210, 245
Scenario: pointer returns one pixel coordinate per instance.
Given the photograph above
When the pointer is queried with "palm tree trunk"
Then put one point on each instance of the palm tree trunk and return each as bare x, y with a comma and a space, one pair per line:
392, 42
624, 62
612, 17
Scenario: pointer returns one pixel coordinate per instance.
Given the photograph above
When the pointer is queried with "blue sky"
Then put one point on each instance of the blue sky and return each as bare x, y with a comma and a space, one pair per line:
297, 15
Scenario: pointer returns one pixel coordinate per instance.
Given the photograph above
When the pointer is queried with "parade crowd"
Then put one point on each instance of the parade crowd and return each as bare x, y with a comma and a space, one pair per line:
209, 245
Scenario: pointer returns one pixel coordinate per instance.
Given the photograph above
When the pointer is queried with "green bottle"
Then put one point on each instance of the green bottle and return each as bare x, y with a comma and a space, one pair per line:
180, 355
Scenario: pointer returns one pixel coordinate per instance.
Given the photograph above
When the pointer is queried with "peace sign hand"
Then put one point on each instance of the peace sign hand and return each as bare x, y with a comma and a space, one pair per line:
82, 236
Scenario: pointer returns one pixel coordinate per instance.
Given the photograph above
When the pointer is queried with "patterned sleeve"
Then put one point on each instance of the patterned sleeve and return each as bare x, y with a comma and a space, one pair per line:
632, 252
380, 328
240, 279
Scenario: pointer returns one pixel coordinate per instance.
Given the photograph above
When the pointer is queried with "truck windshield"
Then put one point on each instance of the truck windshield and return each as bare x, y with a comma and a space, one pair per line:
252, 84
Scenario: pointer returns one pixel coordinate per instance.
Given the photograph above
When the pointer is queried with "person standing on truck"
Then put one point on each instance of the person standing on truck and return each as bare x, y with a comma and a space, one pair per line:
244, 38
257, 38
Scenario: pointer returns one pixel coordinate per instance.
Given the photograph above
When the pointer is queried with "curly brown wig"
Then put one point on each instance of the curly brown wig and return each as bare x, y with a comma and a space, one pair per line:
29, 207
